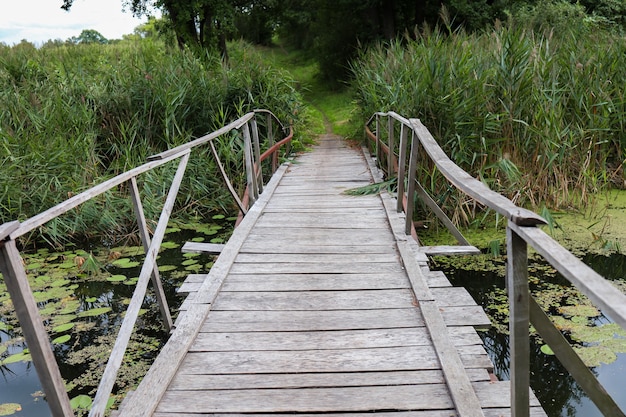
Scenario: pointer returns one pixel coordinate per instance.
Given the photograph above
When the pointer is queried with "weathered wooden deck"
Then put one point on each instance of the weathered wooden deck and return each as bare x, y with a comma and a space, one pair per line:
320, 304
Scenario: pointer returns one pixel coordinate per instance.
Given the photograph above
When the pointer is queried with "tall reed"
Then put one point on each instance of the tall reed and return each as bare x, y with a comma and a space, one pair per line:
74, 115
539, 115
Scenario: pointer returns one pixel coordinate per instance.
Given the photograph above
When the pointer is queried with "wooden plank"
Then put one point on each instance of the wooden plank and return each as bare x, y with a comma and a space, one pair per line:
314, 300
465, 316
452, 296
324, 360
184, 382
293, 341
341, 339
306, 248
254, 321
405, 397
351, 258
436, 279
202, 247
7, 228
449, 250
314, 282
316, 268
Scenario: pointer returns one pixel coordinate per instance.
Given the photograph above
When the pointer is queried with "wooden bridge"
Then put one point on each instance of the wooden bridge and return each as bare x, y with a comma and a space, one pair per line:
324, 303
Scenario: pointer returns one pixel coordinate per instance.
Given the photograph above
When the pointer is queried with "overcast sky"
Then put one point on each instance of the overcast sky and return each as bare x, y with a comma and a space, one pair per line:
40, 20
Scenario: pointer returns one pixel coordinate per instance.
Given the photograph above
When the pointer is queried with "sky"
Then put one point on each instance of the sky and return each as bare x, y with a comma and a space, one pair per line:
40, 20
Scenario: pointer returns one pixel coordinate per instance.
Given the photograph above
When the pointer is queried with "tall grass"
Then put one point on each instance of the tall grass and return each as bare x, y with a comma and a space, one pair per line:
537, 114
74, 115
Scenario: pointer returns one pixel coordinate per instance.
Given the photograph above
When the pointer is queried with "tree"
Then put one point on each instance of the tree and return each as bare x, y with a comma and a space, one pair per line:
88, 36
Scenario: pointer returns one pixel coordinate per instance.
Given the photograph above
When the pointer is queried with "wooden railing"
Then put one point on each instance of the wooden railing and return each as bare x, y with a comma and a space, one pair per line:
15, 277
521, 232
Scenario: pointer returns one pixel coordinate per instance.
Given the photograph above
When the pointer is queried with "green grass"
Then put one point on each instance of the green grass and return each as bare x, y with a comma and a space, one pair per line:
329, 109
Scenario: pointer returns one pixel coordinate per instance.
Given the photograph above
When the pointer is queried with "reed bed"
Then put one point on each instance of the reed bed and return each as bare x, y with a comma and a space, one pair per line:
537, 114
72, 116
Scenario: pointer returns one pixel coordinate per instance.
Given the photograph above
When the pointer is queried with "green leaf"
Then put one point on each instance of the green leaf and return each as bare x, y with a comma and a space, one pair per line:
94, 312
81, 402
61, 339
116, 278
62, 328
547, 350
17, 357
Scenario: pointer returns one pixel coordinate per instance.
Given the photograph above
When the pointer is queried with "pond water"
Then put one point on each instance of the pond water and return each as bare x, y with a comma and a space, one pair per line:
559, 394
82, 312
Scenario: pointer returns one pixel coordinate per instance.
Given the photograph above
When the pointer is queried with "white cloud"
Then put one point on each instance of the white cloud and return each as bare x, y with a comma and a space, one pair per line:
40, 20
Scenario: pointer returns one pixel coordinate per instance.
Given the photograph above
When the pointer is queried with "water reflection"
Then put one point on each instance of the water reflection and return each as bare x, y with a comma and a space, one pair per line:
559, 394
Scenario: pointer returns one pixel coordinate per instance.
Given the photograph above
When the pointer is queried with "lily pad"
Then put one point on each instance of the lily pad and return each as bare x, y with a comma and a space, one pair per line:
197, 239
189, 262
218, 217
17, 357
169, 245
193, 268
91, 299
4, 327
172, 230
3, 349
61, 339
547, 350
60, 283
62, 328
94, 312
166, 268
116, 278
81, 402
8, 409
125, 263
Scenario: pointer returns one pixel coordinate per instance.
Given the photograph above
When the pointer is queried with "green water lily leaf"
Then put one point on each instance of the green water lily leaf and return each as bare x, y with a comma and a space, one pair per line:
94, 312
61, 339
81, 402
166, 268
4, 327
547, 350
197, 239
60, 283
169, 245
8, 409
193, 268
91, 299
172, 230
116, 278
60, 319
17, 357
34, 265
125, 263
218, 217
62, 328
189, 262
3, 349
217, 240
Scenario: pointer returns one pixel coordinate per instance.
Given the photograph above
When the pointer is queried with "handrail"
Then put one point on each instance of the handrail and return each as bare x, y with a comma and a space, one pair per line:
521, 233
21, 294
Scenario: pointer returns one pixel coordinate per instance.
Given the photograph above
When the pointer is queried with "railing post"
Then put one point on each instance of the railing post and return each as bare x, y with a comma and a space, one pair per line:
251, 177
31, 323
377, 144
519, 339
410, 197
402, 166
145, 239
256, 147
390, 143
270, 141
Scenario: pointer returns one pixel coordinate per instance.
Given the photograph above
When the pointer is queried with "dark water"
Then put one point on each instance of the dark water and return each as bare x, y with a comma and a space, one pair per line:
19, 382
559, 394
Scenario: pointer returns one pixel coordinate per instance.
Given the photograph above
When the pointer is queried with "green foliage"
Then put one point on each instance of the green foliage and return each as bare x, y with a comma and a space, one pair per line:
88, 36
74, 115
538, 116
